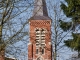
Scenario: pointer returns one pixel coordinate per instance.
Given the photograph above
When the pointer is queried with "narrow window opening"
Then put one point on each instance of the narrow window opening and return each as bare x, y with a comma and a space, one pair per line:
42, 51
36, 51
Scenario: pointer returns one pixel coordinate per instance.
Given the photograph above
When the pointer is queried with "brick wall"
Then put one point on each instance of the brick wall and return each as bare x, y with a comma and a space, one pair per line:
46, 24
2, 55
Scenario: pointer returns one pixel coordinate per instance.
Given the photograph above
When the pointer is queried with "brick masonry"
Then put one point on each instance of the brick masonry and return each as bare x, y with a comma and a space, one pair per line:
46, 24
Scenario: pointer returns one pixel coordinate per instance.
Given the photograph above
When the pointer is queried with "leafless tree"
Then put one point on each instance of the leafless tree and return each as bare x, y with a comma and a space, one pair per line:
58, 35
13, 21
14, 15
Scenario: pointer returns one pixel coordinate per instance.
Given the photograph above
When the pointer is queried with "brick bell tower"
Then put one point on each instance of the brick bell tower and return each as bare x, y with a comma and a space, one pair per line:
39, 47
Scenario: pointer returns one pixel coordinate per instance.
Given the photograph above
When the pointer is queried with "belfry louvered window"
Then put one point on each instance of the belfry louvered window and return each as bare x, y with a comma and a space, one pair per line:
40, 40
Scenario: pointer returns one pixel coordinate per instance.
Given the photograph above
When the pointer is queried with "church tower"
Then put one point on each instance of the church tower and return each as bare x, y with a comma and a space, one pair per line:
39, 47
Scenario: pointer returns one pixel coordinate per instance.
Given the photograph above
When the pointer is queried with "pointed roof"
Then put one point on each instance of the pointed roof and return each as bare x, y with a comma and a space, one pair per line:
40, 8
40, 11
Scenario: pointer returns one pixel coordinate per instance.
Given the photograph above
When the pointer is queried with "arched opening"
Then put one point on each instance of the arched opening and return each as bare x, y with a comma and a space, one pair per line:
39, 58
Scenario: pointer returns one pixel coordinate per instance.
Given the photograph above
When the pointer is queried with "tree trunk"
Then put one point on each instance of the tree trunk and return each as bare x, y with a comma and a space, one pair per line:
0, 33
55, 53
2, 45
54, 56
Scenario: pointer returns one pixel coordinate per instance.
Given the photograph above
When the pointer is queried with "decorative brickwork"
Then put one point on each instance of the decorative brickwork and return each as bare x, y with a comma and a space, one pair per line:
39, 47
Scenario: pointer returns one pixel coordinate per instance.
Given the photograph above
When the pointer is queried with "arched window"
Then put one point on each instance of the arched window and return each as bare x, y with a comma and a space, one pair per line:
39, 58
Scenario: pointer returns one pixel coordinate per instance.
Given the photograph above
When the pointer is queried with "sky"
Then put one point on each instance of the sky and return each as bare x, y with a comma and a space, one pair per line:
64, 53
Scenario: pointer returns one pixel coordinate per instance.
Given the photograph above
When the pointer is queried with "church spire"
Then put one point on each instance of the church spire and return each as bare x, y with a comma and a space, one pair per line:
40, 8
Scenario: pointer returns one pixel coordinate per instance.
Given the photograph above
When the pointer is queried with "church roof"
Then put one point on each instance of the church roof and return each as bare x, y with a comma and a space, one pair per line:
40, 18
9, 58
